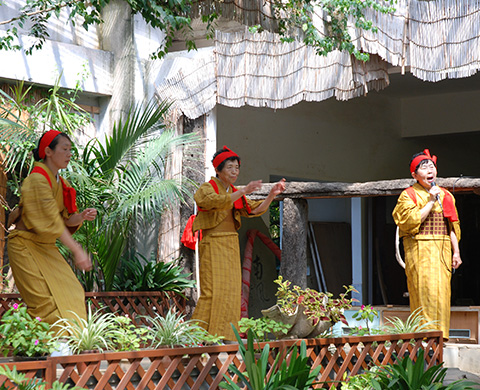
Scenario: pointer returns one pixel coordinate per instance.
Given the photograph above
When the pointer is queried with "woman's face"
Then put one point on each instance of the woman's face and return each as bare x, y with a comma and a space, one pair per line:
229, 174
426, 174
60, 156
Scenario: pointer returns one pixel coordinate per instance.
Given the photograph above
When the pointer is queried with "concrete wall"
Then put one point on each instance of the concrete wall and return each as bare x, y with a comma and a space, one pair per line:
114, 56
357, 140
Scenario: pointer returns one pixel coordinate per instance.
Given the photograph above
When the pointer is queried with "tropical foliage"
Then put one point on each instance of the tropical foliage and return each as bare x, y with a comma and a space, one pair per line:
124, 177
295, 20
174, 330
409, 375
97, 332
22, 119
406, 374
293, 373
136, 273
319, 306
415, 323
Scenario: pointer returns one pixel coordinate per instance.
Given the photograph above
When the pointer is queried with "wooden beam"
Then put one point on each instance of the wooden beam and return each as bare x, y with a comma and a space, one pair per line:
311, 190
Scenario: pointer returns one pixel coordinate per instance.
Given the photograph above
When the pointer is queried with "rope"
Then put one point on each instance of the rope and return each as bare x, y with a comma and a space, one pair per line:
398, 256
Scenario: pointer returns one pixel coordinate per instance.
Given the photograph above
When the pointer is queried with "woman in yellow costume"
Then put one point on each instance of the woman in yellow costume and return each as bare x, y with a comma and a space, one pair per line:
428, 222
46, 282
221, 207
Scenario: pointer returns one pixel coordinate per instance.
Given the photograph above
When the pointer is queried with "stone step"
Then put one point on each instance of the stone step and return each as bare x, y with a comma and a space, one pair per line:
462, 361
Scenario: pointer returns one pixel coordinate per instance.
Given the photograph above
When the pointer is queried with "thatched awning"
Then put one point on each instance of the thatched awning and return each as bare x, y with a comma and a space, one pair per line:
308, 190
435, 39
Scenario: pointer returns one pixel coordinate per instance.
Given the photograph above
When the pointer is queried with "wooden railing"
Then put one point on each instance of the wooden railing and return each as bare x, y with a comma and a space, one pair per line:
135, 304
204, 367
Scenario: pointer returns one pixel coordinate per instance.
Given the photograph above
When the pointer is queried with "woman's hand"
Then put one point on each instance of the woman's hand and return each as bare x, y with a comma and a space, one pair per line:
82, 259
456, 260
89, 214
252, 186
86, 215
278, 188
434, 193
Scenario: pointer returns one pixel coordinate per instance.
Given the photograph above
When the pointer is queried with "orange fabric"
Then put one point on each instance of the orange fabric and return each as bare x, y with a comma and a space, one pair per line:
449, 210
189, 238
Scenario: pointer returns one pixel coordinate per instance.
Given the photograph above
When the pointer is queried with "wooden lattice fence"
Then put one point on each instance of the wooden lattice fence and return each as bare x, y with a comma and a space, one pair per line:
204, 367
135, 304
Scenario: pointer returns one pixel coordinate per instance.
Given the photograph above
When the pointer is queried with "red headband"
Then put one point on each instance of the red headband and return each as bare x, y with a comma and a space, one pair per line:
46, 141
425, 156
223, 156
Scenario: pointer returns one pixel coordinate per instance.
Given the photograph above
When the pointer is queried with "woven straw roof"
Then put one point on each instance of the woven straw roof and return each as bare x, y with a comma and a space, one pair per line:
434, 39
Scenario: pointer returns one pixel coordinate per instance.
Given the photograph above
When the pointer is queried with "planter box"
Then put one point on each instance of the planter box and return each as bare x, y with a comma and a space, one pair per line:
204, 367
135, 304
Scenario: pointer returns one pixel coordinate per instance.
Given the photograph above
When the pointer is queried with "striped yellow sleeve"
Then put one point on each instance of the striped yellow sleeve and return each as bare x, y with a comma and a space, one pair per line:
40, 209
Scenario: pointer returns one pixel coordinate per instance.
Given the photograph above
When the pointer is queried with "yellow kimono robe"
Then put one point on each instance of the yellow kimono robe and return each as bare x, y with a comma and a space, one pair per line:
44, 279
219, 304
428, 256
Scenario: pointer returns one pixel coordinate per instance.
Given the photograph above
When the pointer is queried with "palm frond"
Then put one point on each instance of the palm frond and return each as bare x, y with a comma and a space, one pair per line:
128, 134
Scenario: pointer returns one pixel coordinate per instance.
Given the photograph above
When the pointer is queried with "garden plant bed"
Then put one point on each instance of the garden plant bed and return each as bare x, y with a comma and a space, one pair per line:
204, 367
136, 304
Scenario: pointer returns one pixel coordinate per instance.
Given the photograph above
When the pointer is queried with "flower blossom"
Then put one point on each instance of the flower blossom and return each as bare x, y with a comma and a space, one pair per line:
38, 318
36, 342
15, 306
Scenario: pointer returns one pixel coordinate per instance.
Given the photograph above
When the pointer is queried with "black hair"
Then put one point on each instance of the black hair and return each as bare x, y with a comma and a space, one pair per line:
52, 145
421, 162
222, 164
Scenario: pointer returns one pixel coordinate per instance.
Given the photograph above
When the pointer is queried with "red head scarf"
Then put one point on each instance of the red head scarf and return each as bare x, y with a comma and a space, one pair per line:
425, 156
46, 141
223, 156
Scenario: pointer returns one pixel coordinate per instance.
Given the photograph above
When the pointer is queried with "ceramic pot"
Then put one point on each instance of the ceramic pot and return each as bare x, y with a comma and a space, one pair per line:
301, 326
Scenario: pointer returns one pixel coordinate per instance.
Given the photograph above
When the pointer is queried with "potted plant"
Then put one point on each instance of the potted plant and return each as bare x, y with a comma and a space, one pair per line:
309, 312
262, 327
173, 331
23, 336
95, 334
129, 337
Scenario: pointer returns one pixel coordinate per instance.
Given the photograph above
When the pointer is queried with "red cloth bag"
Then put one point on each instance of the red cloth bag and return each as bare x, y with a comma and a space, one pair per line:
188, 238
